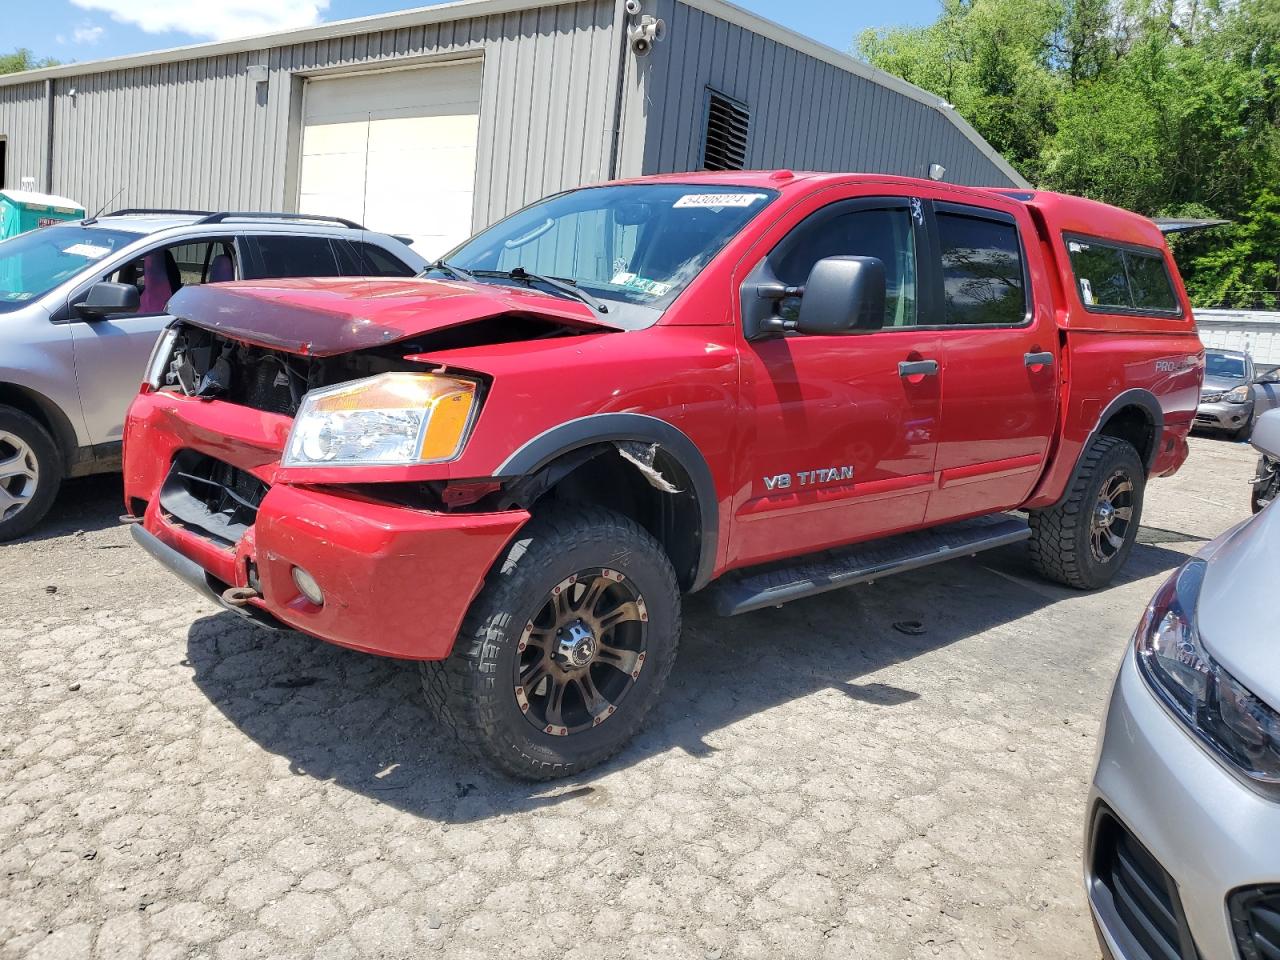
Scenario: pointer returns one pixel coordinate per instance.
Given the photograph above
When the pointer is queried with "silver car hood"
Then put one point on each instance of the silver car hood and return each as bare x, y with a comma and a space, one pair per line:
1239, 612
1220, 384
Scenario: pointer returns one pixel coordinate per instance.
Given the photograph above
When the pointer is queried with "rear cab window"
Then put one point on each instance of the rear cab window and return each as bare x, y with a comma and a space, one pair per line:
984, 276
1112, 277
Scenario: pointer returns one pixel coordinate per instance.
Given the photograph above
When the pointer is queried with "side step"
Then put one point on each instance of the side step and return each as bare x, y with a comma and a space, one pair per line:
776, 583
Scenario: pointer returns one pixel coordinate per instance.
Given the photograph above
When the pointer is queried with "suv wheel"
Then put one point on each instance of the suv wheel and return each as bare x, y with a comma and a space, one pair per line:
565, 650
30, 473
1086, 539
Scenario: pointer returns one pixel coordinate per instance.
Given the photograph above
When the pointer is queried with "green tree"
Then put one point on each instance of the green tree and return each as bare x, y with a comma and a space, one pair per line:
23, 59
1161, 106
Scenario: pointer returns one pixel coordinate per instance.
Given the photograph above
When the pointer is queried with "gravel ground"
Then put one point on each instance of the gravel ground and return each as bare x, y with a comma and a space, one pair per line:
816, 784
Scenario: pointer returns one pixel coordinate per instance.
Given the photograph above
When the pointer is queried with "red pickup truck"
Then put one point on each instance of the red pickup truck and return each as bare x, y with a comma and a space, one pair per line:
765, 385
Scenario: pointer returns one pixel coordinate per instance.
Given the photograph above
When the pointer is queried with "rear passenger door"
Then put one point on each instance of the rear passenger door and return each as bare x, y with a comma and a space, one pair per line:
1000, 361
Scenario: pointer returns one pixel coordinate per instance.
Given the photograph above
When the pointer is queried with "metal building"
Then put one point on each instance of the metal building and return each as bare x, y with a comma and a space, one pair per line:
437, 121
1256, 332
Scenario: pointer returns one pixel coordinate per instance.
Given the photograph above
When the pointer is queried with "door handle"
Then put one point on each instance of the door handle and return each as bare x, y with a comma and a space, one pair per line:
918, 368
1038, 359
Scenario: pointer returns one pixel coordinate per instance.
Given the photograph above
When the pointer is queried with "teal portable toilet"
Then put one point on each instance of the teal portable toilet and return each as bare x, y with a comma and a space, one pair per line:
23, 210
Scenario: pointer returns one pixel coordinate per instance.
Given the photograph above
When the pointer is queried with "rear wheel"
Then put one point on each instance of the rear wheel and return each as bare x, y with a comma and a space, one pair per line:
565, 650
1085, 540
30, 473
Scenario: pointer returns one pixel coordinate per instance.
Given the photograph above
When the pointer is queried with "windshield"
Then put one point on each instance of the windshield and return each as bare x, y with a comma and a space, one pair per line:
1219, 365
32, 264
633, 246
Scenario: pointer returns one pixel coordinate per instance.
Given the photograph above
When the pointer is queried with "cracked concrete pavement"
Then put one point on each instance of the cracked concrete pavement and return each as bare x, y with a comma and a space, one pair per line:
816, 784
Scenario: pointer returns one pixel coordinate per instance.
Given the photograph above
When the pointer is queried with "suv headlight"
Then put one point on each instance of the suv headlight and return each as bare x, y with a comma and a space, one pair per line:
1218, 709
1237, 395
393, 419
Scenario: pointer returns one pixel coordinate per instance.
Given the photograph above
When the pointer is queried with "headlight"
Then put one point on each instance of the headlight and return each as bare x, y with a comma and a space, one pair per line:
1238, 395
161, 354
1221, 712
391, 419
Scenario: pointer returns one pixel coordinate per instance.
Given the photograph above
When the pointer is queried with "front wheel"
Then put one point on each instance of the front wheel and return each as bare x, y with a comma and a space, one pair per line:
30, 473
565, 650
1085, 540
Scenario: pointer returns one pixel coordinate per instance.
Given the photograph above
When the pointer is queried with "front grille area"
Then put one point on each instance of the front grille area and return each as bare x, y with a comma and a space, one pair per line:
211, 497
1135, 897
1206, 418
1255, 920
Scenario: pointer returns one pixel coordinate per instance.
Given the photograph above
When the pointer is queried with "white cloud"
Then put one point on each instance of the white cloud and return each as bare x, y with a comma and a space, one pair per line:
216, 20
87, 33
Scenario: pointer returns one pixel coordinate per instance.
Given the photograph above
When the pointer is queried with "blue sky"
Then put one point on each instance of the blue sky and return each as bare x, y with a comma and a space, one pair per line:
91, 29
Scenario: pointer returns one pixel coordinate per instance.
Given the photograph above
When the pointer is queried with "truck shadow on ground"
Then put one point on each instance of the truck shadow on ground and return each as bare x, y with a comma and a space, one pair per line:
359, 721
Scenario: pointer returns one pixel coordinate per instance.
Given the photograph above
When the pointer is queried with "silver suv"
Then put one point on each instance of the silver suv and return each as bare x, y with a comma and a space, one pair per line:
81, 305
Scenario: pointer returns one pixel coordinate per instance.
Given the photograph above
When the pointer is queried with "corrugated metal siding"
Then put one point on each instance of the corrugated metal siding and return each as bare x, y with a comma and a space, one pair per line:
23, 110
805, 113
1256, 332
199, 134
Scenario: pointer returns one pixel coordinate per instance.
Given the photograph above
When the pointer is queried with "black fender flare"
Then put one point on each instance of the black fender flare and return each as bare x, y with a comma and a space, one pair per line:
1135, 397
598, 428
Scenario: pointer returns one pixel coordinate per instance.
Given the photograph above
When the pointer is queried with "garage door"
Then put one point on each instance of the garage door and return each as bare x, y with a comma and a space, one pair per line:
394, 150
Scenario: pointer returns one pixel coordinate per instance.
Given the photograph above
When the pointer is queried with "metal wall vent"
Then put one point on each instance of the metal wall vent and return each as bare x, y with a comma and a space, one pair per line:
725, 144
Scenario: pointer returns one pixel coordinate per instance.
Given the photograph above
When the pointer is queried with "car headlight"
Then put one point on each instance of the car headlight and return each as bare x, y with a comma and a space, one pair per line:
1238, 395
161, 354
1218, 709
391, 419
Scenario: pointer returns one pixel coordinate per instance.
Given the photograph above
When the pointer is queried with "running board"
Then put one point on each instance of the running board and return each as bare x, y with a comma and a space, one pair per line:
777, 583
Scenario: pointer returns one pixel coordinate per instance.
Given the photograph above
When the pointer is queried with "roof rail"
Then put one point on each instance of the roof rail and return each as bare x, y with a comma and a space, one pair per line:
147, 211
260, 215
208, 216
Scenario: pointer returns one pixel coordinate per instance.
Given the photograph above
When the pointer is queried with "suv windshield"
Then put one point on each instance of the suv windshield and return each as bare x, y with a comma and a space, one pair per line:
1220, 365
633, 246
32, 264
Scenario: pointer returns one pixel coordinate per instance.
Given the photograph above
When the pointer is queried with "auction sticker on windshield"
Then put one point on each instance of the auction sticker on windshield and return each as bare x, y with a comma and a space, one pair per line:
654, 288
718, 201
87, 250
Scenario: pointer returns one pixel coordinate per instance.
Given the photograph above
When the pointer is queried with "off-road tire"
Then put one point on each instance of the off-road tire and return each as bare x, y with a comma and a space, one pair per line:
49, 471
471, 692
1060, 535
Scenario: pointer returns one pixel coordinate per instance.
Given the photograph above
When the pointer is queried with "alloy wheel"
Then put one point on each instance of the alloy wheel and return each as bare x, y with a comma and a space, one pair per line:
19, 474
1112, 516
582, 652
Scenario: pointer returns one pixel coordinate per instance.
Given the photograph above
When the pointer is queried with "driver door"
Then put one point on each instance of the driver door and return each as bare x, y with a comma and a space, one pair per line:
841, 430
111, 354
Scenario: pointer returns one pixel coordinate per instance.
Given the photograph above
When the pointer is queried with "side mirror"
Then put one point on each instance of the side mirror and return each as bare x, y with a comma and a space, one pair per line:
843, 295
1266, 434
106, 299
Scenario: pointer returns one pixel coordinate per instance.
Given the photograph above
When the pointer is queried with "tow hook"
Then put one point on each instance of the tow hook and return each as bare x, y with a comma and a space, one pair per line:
239, 596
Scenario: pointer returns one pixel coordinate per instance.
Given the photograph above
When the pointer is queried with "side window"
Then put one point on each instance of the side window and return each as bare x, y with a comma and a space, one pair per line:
281, 255
160, 273
1099, 274
884, 233
1150, 283
1121, 278
983, 279
370, 260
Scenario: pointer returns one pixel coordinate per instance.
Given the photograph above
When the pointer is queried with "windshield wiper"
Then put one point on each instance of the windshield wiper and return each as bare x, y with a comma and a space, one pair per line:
560, 286
447, 268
